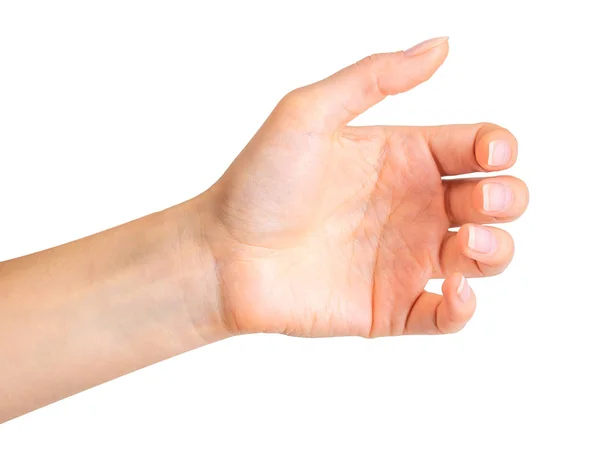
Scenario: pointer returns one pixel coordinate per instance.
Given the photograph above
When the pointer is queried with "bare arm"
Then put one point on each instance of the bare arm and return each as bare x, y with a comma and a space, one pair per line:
77, 315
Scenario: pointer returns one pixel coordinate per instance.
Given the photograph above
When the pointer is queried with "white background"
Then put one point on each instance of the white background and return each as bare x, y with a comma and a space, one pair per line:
112, 110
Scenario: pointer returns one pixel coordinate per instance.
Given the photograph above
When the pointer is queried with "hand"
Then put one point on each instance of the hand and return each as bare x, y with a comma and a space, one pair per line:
317, 229
323, 229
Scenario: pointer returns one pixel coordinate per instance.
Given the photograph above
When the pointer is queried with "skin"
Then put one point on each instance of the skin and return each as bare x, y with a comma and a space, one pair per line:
316, 229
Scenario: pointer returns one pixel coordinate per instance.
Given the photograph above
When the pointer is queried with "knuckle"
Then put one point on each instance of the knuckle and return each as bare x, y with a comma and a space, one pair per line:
370, 60
293, 106
296, 104
294, 98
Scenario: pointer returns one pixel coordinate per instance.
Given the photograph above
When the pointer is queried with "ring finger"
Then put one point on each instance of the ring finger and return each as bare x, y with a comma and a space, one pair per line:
485, 200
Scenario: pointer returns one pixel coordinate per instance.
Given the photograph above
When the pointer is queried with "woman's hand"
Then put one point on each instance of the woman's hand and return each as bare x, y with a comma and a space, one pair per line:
317, 229
323, 229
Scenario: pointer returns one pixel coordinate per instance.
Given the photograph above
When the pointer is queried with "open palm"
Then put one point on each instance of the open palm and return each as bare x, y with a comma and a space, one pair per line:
328, 229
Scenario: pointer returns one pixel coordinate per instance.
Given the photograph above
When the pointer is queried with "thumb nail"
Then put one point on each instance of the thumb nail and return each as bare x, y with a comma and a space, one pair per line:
425, 46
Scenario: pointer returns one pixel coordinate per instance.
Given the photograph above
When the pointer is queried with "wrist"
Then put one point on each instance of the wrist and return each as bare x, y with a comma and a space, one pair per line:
194, 266
91, 310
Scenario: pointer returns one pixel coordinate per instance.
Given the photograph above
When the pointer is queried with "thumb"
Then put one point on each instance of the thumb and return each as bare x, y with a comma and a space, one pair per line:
338, 99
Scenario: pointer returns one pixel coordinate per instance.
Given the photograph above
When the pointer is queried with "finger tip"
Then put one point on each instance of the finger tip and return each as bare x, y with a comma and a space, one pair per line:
459, 300
460, 289
497, 150
454, 284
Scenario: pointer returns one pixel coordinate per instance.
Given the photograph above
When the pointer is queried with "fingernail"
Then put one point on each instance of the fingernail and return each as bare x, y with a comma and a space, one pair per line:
463, 291
482, 240
499, 153
496, 197
425, 46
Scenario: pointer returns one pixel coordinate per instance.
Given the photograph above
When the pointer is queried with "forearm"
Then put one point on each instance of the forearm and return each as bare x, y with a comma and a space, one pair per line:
86, 312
